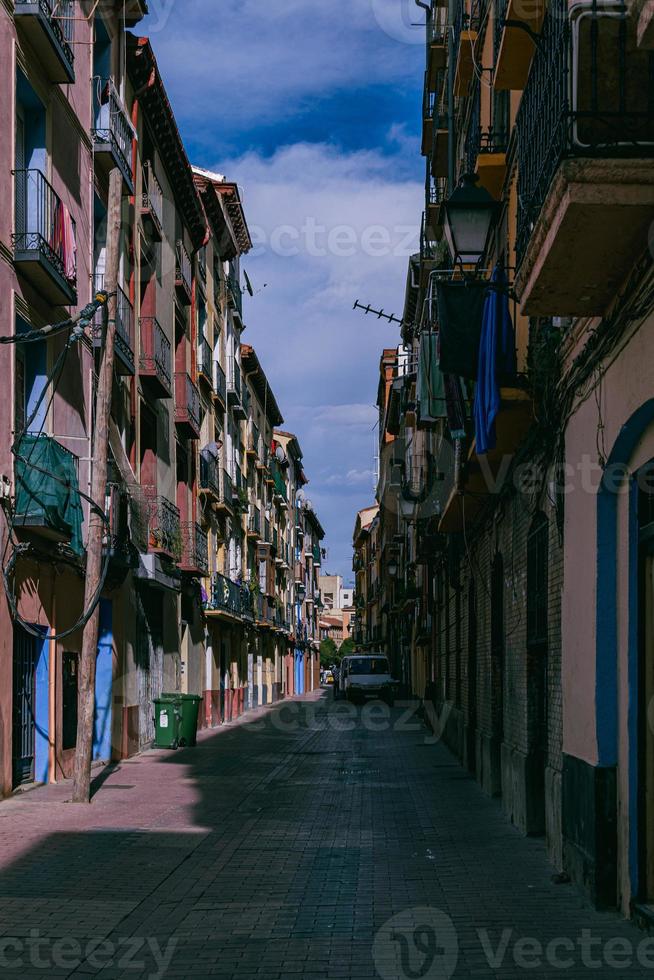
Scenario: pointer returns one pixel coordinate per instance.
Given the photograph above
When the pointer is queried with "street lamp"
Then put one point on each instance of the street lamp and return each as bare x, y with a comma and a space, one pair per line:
392, 569
408, 507
470, 212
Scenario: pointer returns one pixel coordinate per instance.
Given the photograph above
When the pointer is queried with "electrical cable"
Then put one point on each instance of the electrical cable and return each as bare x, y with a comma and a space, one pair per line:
76, 327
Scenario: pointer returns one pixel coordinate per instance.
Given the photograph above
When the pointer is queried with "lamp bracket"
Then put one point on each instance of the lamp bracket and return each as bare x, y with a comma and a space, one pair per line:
521, 26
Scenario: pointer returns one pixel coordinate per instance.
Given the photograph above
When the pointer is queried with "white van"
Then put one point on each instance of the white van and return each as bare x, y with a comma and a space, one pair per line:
366, 675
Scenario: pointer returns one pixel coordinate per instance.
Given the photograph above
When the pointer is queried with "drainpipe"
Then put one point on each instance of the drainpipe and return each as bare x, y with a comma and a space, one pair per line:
451, 134
52, 696
132, 291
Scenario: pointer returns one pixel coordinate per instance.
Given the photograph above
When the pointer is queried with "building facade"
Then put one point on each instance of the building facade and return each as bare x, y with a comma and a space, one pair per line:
200, 513
515, 457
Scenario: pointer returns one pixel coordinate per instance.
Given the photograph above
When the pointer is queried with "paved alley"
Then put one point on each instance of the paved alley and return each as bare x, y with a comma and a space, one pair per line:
307, 841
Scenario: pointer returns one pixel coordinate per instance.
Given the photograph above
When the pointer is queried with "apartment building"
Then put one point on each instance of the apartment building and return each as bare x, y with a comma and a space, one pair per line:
516, 594
191, 601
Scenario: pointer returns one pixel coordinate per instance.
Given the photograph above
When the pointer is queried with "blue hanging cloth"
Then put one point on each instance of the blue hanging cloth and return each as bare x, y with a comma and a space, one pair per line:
497, 361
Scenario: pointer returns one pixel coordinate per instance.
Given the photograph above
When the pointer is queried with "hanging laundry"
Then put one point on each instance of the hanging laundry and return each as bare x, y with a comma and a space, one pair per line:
62, 240
430, 388
460, 310
497, 362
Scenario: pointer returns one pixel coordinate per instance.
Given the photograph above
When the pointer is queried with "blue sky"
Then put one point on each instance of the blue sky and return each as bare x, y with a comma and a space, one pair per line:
314, 109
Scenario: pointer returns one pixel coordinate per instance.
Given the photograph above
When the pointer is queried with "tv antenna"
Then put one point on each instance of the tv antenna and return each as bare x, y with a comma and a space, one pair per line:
380, 314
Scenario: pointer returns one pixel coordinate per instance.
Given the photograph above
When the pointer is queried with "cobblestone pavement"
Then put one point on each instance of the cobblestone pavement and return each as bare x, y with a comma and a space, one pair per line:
307, 841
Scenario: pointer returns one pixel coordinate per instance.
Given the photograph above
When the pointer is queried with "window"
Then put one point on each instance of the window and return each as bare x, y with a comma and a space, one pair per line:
537, 582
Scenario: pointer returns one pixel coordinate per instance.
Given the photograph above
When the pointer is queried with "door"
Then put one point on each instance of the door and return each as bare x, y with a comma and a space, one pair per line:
646, 685
472, 677
21, 183
149, 660
26, 651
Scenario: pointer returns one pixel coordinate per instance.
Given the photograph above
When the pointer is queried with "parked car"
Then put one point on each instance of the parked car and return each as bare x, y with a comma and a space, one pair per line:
366, 676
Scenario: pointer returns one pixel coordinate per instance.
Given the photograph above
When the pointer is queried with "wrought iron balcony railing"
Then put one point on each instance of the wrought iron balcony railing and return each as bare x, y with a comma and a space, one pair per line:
235, 295
227, 492
195, 549
187, 404
210, 473
124, 345
230, 597
152, 199
113, 132
163, 526
183, 272
254, 521
219, 383
205, 359
51, 28
588, 95
44, 237
155, 362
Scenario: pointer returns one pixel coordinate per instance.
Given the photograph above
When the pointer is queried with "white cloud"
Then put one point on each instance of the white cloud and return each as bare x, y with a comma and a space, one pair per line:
337, 225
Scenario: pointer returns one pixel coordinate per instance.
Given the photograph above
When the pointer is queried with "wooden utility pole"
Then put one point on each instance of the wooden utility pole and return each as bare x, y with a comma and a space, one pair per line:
86, 676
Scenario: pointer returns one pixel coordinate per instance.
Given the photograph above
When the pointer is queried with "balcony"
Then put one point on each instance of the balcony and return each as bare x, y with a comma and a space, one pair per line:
235, 389
229, 599
124, 338
205, 361
152, 203
585, 147
466, 32
210, 475
155, 364
44, 240
194, 558
49, 26
219, 388
187, 406
235, 298
483, 473
436, 47
163, 528
225, 500
279, 484
514, 48
486, 146
264, 611
113, 133
440, 146
254, 438
183, 274
428, 112
436, 194
254, 523
47, 503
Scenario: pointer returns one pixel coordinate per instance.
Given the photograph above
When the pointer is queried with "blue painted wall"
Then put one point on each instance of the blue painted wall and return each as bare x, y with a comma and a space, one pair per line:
42, 709
103, 684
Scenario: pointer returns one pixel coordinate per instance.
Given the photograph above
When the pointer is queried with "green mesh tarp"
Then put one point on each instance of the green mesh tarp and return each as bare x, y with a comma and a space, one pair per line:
43, 501
430, 387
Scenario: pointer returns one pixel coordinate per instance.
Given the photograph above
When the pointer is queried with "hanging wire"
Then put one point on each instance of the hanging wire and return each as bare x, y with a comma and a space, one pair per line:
76, 326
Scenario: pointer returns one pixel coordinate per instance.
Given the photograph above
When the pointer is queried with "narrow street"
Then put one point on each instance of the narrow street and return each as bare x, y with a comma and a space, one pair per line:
281, 847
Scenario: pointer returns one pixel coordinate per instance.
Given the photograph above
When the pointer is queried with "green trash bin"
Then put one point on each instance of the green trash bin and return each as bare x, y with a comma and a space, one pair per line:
167, 722
188, 729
